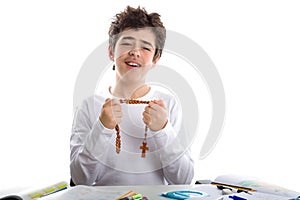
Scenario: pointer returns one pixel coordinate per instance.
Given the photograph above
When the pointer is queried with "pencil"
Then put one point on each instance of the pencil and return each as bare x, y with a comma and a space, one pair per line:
233, 186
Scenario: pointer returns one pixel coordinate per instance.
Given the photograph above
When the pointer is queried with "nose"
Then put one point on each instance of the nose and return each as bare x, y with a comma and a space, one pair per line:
134, 52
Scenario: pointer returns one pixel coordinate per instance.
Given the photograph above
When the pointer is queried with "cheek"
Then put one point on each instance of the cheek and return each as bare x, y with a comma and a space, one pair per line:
149, 60
121, 51
147, 55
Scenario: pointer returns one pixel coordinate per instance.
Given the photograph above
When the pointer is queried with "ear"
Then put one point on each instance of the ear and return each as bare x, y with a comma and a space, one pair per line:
110, 53
155, 60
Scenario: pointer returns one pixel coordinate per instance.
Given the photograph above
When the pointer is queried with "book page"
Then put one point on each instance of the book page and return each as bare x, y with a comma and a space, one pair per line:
258, 185
86, 193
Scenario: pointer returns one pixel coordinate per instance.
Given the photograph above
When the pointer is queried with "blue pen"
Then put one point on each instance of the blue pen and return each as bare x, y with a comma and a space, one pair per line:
234, 197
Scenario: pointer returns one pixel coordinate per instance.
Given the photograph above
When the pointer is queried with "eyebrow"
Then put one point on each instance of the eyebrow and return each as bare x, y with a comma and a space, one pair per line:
132, 38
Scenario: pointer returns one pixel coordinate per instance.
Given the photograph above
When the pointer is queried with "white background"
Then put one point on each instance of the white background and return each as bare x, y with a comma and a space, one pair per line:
255, 46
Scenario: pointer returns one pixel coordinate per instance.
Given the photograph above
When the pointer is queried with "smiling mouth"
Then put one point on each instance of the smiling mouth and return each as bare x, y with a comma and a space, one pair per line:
132, 64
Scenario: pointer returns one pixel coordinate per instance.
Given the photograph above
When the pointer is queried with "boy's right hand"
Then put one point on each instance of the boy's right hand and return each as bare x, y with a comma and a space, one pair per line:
111, 113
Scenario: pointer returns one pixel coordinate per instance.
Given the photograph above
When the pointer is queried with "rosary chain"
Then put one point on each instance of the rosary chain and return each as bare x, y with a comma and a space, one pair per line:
133, 101
144, 146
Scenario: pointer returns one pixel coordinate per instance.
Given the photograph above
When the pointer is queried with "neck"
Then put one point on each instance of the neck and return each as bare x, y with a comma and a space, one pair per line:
129, 91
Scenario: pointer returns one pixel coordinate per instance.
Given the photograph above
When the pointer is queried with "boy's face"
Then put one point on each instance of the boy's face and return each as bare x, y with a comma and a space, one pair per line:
133, 54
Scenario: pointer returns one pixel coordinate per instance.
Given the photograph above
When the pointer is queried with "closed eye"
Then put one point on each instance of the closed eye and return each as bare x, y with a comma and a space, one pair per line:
147, 49
126, 44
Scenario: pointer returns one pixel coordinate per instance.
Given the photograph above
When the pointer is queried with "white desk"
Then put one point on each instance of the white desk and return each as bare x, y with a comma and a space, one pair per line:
151, 192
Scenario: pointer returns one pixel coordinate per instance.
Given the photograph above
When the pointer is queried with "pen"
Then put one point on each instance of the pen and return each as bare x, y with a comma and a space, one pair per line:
236, 197
233, 186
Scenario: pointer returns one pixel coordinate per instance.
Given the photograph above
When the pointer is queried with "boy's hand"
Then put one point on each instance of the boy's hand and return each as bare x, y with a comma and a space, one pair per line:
155, 115
111, 113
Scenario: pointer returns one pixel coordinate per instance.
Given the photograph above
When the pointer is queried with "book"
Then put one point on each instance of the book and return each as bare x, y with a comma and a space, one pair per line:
37, 193
256, 187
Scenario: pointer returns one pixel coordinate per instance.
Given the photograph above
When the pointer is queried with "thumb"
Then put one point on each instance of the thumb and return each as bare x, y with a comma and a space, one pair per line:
160, 102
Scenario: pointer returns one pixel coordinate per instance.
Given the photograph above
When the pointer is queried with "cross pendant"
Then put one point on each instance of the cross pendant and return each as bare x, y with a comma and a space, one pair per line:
144, 148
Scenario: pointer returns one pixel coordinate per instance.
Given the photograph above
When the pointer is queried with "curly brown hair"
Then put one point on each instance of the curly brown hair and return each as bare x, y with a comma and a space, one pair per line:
134, 18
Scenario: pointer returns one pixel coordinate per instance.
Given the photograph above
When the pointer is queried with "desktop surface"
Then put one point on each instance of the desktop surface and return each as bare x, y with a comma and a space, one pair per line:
149, 191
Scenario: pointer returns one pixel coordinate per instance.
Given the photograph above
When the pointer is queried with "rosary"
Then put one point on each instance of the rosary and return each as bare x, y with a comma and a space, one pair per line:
144, 146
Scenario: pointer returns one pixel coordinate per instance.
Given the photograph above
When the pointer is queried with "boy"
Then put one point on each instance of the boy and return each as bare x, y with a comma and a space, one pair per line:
114, 142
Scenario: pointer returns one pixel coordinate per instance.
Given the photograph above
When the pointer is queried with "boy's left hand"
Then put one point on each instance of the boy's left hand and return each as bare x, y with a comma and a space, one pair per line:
155, 115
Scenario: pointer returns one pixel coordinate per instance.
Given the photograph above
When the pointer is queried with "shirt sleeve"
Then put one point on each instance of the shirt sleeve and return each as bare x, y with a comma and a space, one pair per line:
88, 143
174, 151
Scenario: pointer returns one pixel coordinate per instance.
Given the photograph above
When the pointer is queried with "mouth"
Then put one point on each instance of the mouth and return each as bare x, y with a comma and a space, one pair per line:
133, 64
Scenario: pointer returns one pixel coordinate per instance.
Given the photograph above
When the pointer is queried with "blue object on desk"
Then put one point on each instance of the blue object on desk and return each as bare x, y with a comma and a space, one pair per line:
183, 194
234, 197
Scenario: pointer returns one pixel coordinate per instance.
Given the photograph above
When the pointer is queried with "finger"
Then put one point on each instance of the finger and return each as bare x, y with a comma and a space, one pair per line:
117, 114
147, 122
107, 102
147, 109
115, 102
146, 115
160, 103
157, 105
116, 108
152, 103
154, 107
117, 111
146, 118
118, 120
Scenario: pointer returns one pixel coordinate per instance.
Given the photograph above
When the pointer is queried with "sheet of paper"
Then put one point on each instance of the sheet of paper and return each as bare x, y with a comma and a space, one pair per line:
86, 193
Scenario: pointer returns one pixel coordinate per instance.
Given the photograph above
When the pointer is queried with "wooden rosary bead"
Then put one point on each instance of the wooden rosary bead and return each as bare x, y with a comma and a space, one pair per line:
133, 101
118, 139
144, 146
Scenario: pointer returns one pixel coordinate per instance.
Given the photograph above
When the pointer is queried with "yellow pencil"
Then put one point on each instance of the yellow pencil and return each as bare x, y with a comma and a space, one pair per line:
48, 190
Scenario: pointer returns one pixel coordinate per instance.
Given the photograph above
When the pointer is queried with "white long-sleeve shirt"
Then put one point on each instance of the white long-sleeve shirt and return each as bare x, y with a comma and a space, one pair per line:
94, 160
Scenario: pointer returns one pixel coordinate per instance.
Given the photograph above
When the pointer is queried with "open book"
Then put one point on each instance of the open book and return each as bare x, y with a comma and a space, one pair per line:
256, 187
37, 193
79, 192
